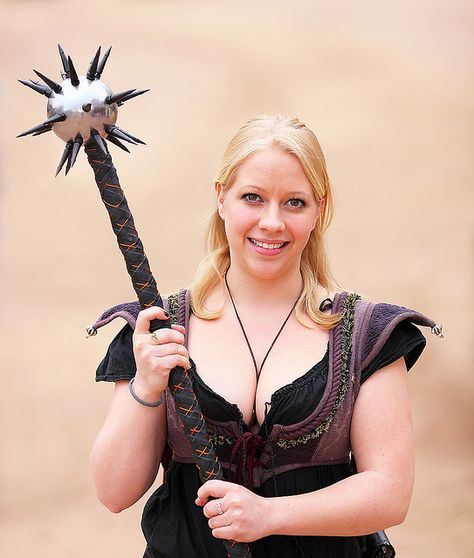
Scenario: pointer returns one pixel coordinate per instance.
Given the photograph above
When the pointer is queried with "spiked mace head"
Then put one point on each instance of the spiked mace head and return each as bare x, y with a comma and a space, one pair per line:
81, 108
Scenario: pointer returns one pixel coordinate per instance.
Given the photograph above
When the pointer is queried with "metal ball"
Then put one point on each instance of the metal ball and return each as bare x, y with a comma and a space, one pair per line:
85, 108
81, 108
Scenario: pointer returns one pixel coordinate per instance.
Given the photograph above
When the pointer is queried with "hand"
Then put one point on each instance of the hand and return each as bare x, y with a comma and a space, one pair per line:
155, 360
245, 516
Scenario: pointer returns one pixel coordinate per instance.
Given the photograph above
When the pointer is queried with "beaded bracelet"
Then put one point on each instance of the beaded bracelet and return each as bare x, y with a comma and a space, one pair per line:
135, 396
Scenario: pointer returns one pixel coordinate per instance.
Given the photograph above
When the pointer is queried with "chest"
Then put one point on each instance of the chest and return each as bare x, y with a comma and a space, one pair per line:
224, 361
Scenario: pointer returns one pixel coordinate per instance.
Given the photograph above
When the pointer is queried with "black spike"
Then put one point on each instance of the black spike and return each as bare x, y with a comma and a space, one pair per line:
75, 150
117, 133
38, 88
44, 125
98, 140
54, 86
65, 73
135, 139
131, 96
64, 157
72, 73
91, 72
101, 67
48, 129
68, 164
118, 143
111, 99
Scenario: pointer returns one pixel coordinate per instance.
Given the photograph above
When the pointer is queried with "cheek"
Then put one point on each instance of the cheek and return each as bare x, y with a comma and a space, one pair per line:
239, 221
302, 230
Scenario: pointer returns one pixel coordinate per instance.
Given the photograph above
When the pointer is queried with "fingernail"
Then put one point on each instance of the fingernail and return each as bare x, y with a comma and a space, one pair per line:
166, 314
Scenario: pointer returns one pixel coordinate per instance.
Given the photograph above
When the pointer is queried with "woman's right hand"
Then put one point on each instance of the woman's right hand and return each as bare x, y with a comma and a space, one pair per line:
155, 360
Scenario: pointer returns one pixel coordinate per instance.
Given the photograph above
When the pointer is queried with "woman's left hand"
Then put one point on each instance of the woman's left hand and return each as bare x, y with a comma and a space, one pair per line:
235, 513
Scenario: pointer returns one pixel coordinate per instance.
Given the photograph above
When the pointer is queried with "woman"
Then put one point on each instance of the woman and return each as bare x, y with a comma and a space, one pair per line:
292, 377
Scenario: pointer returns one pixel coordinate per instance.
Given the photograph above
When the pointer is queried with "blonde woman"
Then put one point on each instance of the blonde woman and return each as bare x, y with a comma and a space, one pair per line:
294, 377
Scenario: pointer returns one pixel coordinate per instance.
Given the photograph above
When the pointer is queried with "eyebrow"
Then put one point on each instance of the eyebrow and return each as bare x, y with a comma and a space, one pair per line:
260, 189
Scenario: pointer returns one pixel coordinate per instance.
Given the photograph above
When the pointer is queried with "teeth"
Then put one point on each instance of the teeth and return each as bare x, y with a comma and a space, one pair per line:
266, 245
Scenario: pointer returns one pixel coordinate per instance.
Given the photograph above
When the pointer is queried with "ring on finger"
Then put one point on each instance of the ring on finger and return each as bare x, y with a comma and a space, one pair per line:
219, 507
155, 338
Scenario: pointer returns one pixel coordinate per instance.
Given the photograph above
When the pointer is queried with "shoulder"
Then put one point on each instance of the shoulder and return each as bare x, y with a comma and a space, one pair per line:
129, 311
377, 324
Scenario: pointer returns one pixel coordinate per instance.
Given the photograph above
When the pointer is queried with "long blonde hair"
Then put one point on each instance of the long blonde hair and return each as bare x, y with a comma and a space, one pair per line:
292, 136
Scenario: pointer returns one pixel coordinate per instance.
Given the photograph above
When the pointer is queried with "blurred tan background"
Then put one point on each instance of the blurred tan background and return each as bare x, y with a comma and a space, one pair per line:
388, 89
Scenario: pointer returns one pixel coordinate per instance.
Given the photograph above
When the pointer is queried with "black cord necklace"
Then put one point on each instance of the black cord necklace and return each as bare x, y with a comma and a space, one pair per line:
257, 369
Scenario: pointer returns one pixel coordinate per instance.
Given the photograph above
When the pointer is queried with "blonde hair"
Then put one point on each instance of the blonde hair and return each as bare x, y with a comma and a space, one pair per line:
292, 136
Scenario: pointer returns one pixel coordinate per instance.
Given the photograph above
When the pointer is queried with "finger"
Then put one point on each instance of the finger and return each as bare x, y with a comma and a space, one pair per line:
214, 488
146, 316
161, 357
172, 361
163, 336
145, 347
168, 349
226, 532
217, 521
212, 508
179, 328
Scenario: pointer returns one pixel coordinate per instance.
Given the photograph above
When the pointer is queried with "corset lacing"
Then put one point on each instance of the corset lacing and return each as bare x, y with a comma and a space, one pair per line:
246, 456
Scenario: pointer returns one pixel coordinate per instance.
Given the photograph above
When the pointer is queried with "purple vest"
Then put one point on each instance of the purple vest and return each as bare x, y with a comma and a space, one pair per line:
323, 437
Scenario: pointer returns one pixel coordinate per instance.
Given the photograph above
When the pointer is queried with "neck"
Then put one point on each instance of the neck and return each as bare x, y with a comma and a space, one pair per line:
258, 293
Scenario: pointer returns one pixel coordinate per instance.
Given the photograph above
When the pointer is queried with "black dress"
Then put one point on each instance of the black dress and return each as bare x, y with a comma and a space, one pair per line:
172, 523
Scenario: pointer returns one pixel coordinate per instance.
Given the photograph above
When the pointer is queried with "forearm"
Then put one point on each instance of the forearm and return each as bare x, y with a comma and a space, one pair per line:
127, 452
363, 503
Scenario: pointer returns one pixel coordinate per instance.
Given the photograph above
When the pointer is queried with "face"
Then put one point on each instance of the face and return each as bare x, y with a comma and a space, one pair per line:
269, 212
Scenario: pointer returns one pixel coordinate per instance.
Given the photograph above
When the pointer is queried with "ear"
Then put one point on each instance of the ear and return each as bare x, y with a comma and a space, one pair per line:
220, 199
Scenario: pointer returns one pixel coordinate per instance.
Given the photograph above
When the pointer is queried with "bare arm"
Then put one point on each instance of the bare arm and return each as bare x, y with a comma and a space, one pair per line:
375, 498
127, 452
378, 496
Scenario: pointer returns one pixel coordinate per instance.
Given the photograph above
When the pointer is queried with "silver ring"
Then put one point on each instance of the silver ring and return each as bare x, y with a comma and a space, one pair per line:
155, 338
219, 508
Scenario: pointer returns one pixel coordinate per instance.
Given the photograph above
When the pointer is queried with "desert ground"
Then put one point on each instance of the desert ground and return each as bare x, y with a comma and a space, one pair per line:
388, 89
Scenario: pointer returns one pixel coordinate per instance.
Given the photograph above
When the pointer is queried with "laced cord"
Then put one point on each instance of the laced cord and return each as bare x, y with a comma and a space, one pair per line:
257, 369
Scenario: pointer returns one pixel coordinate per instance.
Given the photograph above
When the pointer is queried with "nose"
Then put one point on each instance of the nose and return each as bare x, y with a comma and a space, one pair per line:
271, 218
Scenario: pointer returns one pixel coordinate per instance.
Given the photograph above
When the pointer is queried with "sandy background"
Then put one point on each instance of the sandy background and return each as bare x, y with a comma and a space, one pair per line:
388, 89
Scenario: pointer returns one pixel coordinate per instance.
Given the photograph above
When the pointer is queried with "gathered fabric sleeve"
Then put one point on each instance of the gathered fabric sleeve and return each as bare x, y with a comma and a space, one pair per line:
119, 362
406, 340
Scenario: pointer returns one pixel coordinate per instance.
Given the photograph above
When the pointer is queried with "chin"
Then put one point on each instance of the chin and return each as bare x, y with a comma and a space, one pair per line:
266, 271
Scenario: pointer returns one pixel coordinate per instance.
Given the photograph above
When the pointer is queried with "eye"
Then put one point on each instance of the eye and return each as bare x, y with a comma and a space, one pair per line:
296, 202
251, 197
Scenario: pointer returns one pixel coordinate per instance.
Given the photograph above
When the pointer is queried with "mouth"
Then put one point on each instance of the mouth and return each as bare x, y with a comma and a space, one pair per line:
268, 246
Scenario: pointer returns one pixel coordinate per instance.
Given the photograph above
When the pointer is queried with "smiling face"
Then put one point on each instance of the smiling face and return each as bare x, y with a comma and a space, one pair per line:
269, 212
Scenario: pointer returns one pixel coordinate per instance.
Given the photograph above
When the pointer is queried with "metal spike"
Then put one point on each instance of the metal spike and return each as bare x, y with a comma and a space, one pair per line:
98, 140
44, 125
111, 99
54, 86
117, 142
72, 73
75, 150
135, 139
117, 133
68, 165
38, 88
91, 72
65, 72
132, 95
64, 156
101, 67
48, 129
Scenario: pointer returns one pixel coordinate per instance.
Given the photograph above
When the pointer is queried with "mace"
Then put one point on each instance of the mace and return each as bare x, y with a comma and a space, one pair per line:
82, 110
